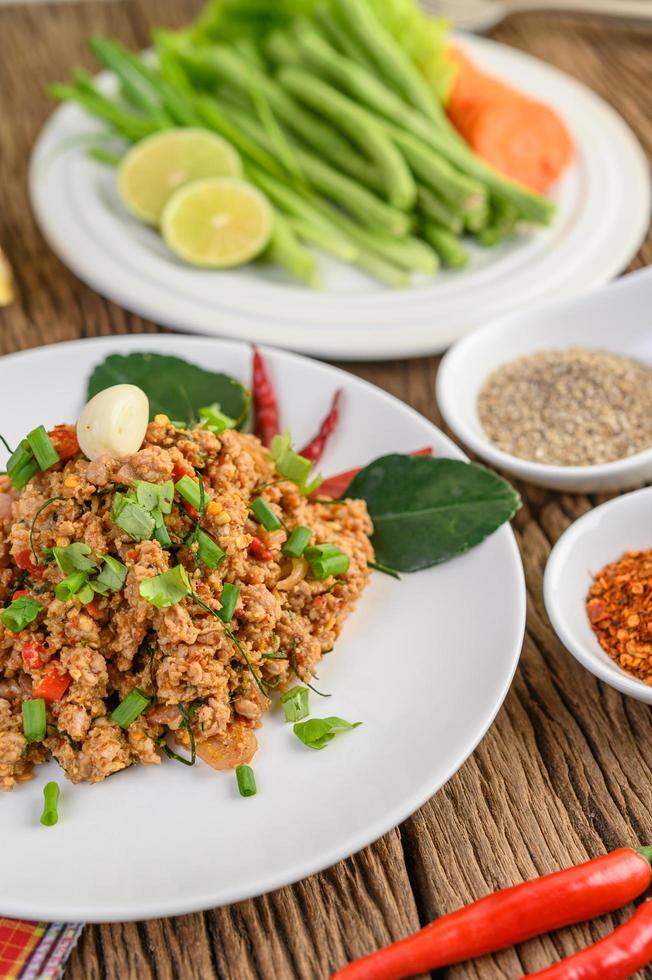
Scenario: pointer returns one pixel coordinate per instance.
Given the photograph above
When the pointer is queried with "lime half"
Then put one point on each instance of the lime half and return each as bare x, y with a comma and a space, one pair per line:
217, 223
152, 170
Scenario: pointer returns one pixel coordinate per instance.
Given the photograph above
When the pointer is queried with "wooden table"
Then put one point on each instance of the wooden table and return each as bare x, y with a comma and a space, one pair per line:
565, 772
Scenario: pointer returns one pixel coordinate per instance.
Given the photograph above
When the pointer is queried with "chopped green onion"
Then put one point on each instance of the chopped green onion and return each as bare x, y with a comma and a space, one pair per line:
326, 560
129, 709
318, 732
50, 814
298, 541
292, 466
42, 447
21, 475
86, 594
246, 780
71, 584
113, 574
74, 558
296, 703
215, 420
209, 551
34, 720
166, 589
266, 515
228, 602
133, 519
162, 535
190, 491
20, 613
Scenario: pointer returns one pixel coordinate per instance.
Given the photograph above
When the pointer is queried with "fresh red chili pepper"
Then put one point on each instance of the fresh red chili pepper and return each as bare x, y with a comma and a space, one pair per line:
183, 468
19, 593
618, 956
266, 414
53, 686
512, 915
25, 560
315, 448
34, 655
64, 440
190, 510
93, 609
336, 486
259, 550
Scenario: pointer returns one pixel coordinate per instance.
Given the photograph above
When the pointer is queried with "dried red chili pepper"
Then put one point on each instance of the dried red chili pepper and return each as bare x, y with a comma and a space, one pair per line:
266, 414
64, 440
618, 956
259, 550
513, 915
315, 448
336, 486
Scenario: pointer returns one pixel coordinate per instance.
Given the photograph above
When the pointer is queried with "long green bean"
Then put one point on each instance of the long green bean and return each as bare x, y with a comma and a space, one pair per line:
446, 245
435, 208
316, 235
368, 208
286, 249
133, 127
134, 86
399, 185
390, 59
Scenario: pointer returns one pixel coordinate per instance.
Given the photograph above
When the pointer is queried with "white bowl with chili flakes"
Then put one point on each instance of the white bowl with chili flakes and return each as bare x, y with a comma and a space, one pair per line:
613, 320
598, 539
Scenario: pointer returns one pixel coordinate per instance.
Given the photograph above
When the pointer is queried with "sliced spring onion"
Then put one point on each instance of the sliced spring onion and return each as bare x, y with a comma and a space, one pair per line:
326, 560
20, 613
292, 466
215, 420
43, 448
74, 558
209, 551
190, 491
318, 732
130, 708
21, 475
34, 719
265, 515
296, 703
166, 589
162, 535
113, 574
228, 602
71, 585
50, 814
246, 780
298, 541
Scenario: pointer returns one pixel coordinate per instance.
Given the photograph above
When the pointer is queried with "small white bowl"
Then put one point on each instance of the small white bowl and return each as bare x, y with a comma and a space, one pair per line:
615, 318
596, 539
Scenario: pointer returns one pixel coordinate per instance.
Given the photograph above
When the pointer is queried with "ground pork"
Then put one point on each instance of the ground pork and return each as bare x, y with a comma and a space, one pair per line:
194, 669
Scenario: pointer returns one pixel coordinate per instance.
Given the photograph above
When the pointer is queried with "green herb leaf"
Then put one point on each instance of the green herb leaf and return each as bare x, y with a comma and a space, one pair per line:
166, 589
318, 732
20, 613
112, 576
155, 496
425, 511
134, 520
174, 387
296, 703
74, 558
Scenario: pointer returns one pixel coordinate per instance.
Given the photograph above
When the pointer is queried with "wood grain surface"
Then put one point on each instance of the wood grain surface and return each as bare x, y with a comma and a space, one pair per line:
566, 770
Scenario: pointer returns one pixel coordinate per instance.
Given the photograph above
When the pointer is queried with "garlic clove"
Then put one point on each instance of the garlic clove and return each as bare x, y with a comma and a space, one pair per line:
113, 422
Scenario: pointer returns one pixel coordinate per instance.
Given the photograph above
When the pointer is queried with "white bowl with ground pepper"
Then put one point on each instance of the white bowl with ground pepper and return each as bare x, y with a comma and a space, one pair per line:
560, 396
598, 592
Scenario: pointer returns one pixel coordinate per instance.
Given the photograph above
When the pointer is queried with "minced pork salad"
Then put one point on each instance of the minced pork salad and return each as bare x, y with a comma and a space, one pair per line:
152, 601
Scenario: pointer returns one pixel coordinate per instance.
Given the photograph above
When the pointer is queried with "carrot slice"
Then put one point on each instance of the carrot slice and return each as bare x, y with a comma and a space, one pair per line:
523, 139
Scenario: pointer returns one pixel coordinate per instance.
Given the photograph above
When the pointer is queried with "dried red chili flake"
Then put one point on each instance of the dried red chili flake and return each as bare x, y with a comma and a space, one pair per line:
259, 550
619, 607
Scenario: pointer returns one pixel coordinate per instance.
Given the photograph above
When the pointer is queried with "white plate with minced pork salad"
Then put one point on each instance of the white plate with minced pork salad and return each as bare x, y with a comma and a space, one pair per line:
181, 723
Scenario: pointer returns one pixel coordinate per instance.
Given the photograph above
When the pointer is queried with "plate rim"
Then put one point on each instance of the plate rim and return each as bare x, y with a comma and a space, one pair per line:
392, 816
363, 344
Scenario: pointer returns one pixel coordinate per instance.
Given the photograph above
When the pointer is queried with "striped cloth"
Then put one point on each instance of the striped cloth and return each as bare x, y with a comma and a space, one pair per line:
35, 950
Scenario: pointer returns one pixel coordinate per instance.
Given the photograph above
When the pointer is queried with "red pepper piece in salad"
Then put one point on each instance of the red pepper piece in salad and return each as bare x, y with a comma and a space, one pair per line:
266, 414
315, 448
53, 686
64, 440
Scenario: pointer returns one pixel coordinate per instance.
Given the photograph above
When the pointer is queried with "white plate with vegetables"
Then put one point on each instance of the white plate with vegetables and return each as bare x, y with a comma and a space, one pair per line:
415, 663
359, 180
